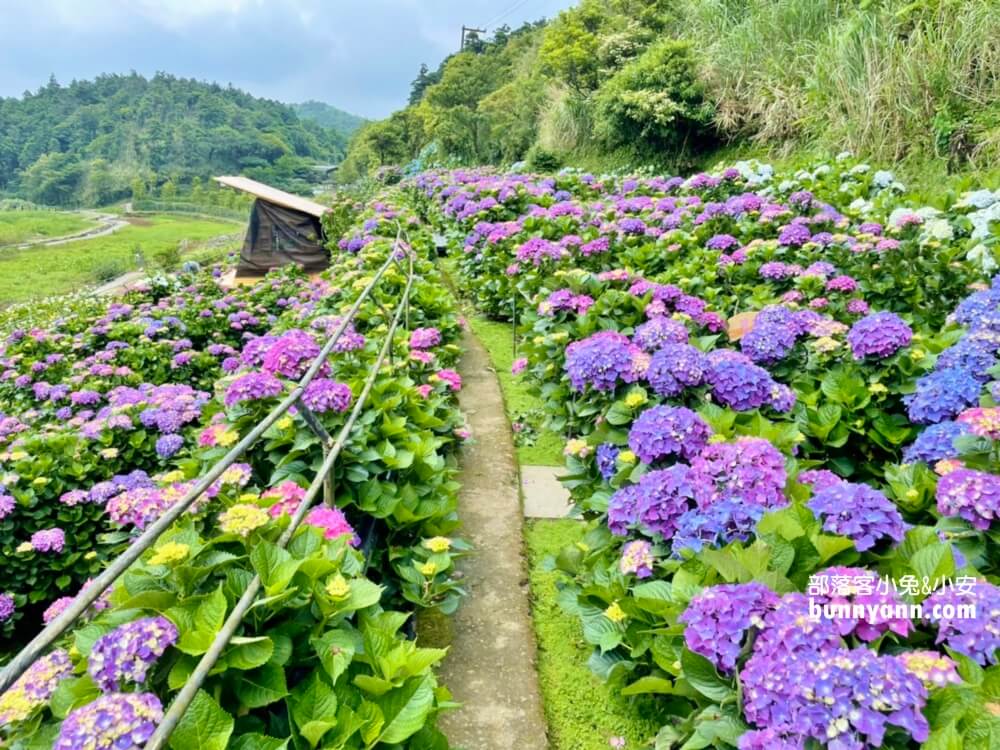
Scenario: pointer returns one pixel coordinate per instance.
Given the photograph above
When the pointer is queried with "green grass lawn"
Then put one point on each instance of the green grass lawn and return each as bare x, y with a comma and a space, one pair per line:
582, 712
43, 271
496, 337
22, 226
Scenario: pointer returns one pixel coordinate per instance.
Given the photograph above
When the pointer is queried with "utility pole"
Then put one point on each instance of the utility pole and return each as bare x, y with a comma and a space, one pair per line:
465, 31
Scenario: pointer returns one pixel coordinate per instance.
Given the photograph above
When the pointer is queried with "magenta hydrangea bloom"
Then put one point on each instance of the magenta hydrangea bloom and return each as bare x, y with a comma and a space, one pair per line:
118, 721
333, 522
842, 586
425, 338
126, 653
859, 512
719, 618
665, 431
973, 495
253, 386
291, 355
977, 637
879, 335
749, 469
323, 395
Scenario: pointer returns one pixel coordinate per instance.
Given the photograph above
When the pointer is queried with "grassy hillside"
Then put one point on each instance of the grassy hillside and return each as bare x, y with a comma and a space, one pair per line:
23, 226
119, 136
44, 271
670, 83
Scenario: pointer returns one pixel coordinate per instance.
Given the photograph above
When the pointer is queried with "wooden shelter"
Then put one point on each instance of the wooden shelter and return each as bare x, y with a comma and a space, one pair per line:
284, 228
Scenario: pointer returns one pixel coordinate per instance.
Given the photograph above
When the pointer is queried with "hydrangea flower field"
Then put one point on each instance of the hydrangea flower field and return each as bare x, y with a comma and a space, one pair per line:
778, 394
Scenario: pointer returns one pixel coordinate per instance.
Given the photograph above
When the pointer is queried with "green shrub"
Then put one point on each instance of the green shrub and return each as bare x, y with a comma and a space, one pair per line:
168, 258
654, 101
108, 271
542, 160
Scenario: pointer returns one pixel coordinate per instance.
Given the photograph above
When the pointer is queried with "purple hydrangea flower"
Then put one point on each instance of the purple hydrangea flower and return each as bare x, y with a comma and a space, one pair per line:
674, 367
119, 721
637, 559
7, 505
859, 512
664, 431
739, 384
48, 540
322, 396
7, 607
253, 386
942, 395
600, 360
715, 526
607, 454
425, 338
880, 335
658, 332
774, 333
719, 617
291, 355
978, 636
663, 497
794, 235
35, 687
769, 739
840, 587
623, 508
936, 442
973, 495
168, 445
126, 653
750, 470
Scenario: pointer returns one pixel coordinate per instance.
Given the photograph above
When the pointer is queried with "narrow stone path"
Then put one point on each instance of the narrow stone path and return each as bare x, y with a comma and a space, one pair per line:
490, 668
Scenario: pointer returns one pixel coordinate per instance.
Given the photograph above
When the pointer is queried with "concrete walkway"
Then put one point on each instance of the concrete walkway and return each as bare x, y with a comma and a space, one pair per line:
490, 668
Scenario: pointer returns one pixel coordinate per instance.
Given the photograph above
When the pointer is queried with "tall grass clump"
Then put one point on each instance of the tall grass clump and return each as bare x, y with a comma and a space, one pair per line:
890, 80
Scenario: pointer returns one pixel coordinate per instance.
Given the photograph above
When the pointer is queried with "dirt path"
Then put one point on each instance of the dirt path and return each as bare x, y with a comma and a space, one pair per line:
107, 224
490, 668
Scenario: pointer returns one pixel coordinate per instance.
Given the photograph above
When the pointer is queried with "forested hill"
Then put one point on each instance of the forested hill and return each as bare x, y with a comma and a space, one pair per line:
92, 142
329, 116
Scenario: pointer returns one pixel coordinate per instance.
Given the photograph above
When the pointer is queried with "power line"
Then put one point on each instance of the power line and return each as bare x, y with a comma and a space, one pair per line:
467, 31
505, 13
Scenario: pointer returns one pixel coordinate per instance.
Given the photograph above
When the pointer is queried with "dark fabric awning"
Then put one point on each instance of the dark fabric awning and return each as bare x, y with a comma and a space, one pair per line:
278, 236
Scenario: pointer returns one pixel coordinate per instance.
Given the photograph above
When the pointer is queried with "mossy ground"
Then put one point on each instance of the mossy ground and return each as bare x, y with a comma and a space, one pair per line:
583, 712
498, 339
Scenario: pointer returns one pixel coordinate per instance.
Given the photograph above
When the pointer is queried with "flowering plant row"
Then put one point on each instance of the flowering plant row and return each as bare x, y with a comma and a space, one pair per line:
768, 383
321, 659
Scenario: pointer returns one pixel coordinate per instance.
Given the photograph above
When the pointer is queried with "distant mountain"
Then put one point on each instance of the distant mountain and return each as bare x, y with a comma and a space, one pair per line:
329, 117
93, 142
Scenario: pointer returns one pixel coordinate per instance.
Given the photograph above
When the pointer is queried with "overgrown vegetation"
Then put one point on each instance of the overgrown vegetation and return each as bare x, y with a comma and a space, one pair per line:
614, 83
124, 136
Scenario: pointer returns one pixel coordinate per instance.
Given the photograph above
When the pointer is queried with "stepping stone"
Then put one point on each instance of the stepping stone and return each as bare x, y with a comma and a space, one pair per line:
544, 495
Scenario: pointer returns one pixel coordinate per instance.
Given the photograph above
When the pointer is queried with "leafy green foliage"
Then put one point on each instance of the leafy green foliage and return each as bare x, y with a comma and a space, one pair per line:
655, 100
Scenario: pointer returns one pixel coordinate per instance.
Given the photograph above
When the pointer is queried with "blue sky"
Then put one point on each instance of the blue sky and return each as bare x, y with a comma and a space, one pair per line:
359, 55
